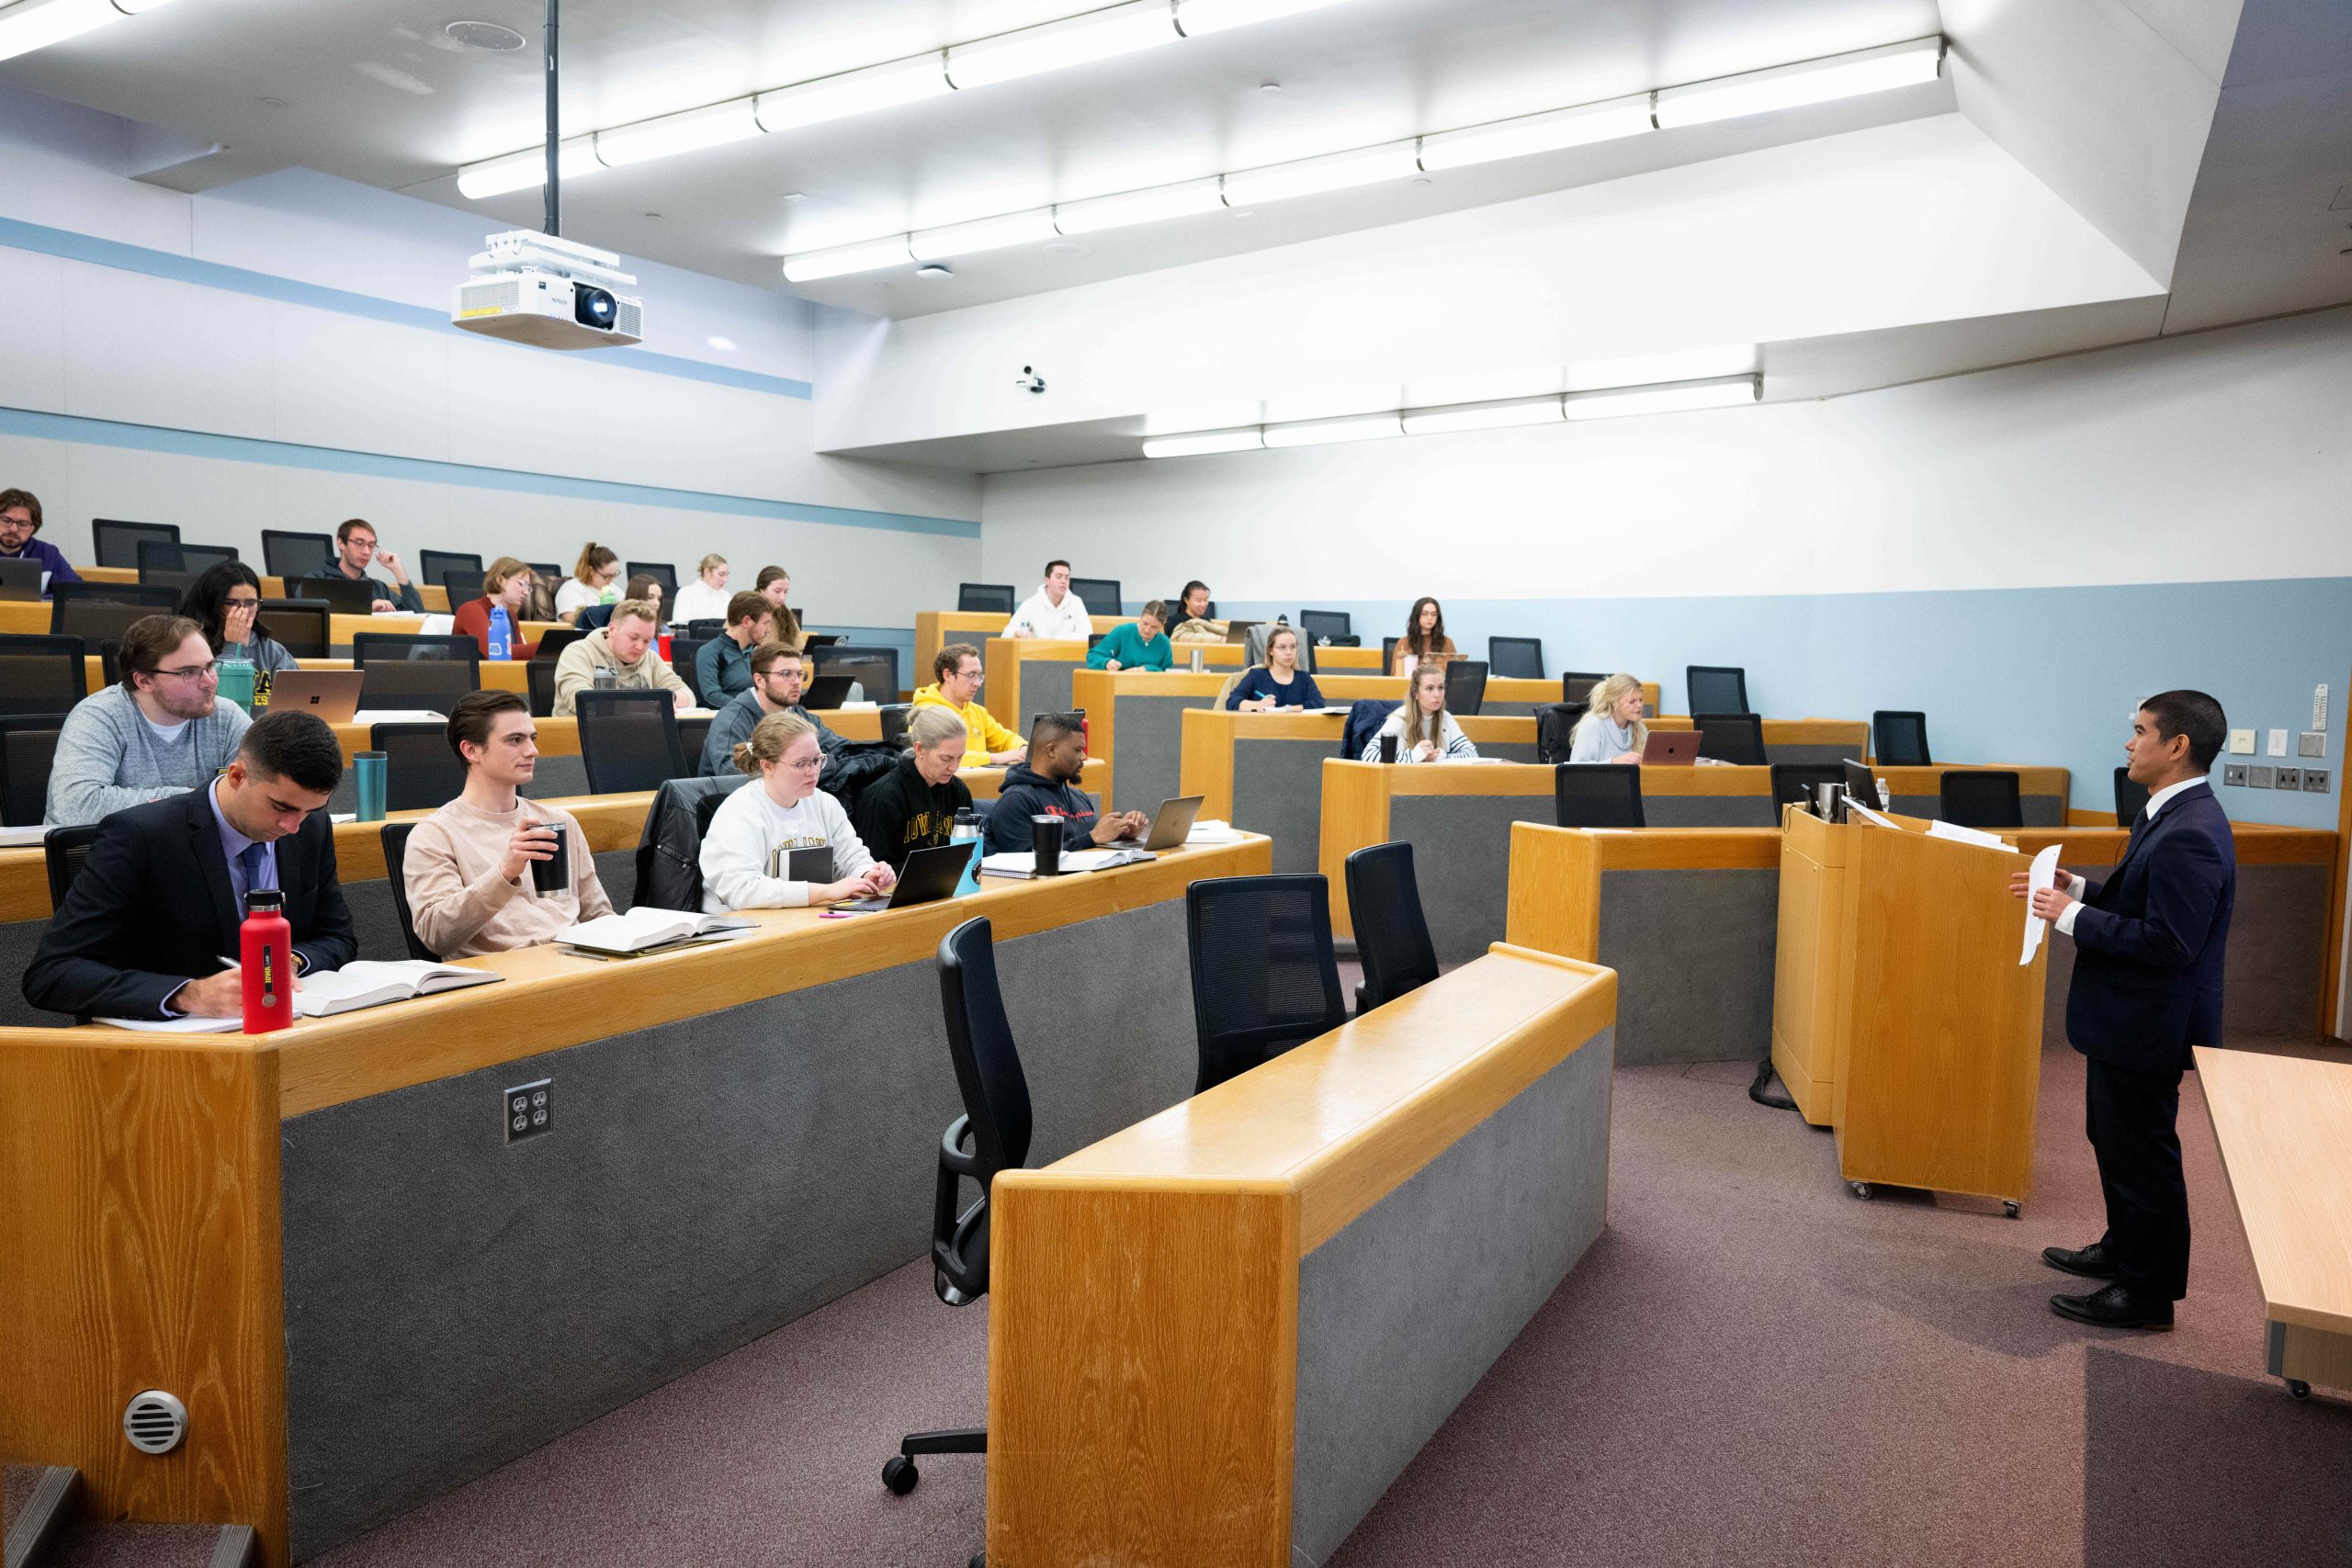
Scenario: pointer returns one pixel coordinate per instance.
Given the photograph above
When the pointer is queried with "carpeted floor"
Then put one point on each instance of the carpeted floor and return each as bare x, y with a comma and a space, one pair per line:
1750, 1368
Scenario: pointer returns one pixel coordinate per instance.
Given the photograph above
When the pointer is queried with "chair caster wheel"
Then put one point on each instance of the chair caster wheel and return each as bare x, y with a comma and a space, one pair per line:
2009, 1207
900, 1475
1861, 1190
980, 1560
2298, 1388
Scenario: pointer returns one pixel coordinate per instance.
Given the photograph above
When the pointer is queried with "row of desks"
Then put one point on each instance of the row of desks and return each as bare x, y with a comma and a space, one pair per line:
435, 596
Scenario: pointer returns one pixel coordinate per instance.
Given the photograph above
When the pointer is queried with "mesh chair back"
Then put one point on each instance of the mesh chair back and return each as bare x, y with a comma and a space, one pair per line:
28, 749
538, 677
171, 556
987, 598
430, 685
2131, 799
1101, 593
306, 626
459, 585
660, 571
67, 850
1317, 624
1576, 686
116, 543
1792, 783
1387, 654
93, 617
692, 733
896, 717
1981, 797
42, 674
996, 1110
630, 740
552, 644
421, 773
435, 566
289, 555
1392, 936
1465, 687
1899, 739
1731, 738
1516, 657
396, 868
1264, 977
397, 648
179, 583
874, 668
1716, 688
110, 658
1597, 794
682, 651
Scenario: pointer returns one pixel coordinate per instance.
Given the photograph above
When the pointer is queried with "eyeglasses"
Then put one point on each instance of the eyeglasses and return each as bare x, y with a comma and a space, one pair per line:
193, 672
805, 765
242, 604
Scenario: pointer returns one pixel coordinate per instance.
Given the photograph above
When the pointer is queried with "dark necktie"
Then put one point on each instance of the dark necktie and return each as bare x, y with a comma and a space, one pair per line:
250, 859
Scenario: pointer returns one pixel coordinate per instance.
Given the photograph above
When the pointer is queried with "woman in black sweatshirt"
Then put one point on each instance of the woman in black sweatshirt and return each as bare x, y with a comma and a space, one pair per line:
913, 806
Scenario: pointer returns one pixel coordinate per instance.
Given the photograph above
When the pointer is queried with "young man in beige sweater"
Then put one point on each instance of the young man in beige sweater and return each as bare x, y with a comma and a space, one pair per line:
468, 866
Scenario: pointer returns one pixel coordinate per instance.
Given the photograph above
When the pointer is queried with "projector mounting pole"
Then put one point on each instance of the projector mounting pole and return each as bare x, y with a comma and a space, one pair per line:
554, 223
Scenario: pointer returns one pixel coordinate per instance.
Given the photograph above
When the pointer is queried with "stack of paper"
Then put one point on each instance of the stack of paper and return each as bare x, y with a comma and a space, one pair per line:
1024, 862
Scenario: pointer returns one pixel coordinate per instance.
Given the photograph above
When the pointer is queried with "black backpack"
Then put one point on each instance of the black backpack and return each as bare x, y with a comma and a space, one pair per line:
853, 766
1556, 726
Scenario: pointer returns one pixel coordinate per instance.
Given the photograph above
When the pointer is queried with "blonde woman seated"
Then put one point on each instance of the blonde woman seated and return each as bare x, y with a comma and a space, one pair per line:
1612, 730
746, 853
1425, 732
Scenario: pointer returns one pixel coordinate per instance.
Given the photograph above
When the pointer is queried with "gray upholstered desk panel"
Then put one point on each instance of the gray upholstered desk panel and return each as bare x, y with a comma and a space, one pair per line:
452, 1302
1814, 751
1694, 952
1148, 766
1461, 861
1044, 688
1402, 1312
1707, 810
1278, 791
2039, 810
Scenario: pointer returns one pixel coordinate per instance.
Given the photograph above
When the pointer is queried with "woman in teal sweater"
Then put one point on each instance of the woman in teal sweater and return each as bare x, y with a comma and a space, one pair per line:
1140, 644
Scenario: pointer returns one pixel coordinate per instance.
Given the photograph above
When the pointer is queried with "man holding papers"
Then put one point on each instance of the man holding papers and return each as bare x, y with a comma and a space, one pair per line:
2147, 986
142, 932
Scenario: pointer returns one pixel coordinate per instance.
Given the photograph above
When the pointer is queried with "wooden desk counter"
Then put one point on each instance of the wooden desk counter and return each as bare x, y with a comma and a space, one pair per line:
2284, 1125
741, 1133
934, 629
1027, 676
1194, 1324
342, 628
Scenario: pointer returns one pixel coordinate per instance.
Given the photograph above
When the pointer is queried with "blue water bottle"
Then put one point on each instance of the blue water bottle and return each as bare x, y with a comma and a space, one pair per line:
967, 830
502, 633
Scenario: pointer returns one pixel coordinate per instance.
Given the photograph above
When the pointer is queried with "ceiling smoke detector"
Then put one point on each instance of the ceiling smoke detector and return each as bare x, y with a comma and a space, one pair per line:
485, 35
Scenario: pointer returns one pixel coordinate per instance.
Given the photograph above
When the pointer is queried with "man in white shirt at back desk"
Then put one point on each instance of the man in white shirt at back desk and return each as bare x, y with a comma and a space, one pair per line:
1053, 610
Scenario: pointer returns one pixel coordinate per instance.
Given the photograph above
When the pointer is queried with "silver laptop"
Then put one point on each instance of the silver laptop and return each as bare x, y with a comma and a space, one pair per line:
1172, 823
333, 694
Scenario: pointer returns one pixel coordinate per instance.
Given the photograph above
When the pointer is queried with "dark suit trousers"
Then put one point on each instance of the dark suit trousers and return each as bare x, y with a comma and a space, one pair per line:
2131, 1122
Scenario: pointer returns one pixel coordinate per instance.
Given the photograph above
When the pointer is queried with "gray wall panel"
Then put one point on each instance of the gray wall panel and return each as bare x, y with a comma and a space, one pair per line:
1402, 1312
1814, 753
1044, 688
1462, 860
1149, 764
1278, 790
1709, 812
452, 1303
1693, 952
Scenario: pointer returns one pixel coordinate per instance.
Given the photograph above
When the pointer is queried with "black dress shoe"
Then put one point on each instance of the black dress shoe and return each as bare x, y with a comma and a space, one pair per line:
2114, 1307
2092, 1262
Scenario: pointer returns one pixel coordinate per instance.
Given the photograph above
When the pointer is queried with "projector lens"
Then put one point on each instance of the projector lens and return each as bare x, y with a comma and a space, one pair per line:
593, 307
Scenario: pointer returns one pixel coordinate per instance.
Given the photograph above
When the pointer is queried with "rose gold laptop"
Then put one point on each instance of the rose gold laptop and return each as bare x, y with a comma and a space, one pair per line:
333, 694
1670, 748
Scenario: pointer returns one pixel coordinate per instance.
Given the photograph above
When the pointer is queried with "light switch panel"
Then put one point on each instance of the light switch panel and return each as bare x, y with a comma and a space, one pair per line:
2314, 744
2260, 776
2242, 742
2277, 742
2234, 773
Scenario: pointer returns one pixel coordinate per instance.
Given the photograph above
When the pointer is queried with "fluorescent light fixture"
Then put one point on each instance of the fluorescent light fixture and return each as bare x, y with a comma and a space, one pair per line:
687, 132
522, 170
887, 86
1132, 206
982, 234
1194, 17
1676, 364
1489, 387
1205, 416
1075, 40
1323, 432
1674, 397
1811, 82
1333, 401
867, 255
1333, 171
1483, 416
36, 24
1536, 133
1198, 446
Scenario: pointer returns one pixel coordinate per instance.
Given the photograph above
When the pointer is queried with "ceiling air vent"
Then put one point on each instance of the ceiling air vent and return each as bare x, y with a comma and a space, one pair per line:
154, 1422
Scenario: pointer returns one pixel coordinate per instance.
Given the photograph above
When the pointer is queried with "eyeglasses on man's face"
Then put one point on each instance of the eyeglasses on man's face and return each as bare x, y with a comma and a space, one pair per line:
193, 672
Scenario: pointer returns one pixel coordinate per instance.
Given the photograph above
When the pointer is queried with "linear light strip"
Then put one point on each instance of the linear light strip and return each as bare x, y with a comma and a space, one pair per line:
1668, 397
1781, 87
1100, 34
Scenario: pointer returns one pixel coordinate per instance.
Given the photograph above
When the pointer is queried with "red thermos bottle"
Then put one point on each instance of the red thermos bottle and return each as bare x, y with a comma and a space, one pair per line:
265, 953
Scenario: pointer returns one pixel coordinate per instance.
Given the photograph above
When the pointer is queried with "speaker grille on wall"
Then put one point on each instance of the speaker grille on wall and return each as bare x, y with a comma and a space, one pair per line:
154, 1422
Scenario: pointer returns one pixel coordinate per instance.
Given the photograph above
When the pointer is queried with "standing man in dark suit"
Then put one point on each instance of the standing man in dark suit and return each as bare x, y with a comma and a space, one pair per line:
142, 930
2148, 947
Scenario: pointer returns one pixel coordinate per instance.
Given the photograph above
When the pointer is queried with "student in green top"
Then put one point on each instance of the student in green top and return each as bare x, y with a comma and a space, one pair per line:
1140, 644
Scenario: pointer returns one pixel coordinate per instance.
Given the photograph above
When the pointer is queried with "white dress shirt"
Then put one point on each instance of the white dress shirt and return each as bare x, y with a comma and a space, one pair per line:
1040, 616
2155, 802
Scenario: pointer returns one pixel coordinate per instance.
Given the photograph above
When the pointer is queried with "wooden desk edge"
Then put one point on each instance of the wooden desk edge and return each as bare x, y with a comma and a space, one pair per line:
2274, 1310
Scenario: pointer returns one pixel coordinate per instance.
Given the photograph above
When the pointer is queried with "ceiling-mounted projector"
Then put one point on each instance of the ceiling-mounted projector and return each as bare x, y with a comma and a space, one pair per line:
549, 292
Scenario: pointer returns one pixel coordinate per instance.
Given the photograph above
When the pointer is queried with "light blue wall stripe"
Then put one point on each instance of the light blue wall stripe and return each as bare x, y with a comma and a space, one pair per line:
377, 465
266, 286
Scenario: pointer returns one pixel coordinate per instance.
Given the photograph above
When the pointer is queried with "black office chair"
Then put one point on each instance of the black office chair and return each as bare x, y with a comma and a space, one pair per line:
1392, 935
27, 749
874, 667
1731, 738
1465, 687
1792, 783
1576, 686
987, 598
1716, 688
2131, 799
92, 616
170, 556
702, 627
421, 773
42, 674
345, 595
1597, 794
1981, 797
1387, 654
1899, 739
116, 543
693, 733
1516, 657
538, 681
395, 865
996, 1122
110, 659
459, 585
178, 582
289, 555
304, 626
428, 685
1100, 594
66, 850
668, 848
435, 566
630, 740
682, 651
896, 717
553, 643
1264, 977
660, 571
1317, 624
413, 648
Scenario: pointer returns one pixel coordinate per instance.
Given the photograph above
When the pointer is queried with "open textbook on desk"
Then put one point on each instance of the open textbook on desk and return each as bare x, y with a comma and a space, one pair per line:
363, 983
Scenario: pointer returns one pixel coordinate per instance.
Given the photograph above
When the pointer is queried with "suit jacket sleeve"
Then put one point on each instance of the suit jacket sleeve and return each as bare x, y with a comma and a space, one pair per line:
2184, 883
74, 970
329, 943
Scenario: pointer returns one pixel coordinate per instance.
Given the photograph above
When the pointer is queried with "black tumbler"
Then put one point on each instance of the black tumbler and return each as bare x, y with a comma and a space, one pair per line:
1045, 833
1389, 748
554, 875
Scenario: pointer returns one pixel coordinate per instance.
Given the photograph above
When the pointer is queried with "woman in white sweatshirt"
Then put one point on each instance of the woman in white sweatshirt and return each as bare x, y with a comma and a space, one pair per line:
746, 852
1425, 732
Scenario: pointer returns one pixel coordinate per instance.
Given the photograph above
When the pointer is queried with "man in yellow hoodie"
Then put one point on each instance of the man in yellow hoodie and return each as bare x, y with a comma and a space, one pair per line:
958, 674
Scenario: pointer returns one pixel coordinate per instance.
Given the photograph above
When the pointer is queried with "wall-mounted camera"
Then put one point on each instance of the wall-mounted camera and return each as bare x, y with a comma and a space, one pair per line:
1030, 379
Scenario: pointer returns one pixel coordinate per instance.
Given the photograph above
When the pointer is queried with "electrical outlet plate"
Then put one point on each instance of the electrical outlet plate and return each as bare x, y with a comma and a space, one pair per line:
2288, 778
2241, 742
2277, 742
2235, 772
2315, 781
528, 1110
2314, 744
2260, 776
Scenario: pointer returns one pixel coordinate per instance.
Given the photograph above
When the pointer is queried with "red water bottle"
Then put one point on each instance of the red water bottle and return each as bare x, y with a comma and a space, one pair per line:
265, 953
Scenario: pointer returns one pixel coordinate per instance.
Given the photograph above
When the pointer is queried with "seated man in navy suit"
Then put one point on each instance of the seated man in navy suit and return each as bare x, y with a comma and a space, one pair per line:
2148, 946
142, 932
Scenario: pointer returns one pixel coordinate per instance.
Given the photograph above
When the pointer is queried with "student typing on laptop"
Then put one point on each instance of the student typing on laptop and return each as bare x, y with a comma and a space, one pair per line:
1047, 785
745, 853
20, 521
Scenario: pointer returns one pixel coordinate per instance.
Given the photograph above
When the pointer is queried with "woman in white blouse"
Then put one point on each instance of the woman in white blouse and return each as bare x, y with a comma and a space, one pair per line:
746, 853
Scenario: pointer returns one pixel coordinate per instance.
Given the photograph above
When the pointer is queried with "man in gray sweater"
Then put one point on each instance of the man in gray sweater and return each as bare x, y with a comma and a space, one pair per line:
160, 732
